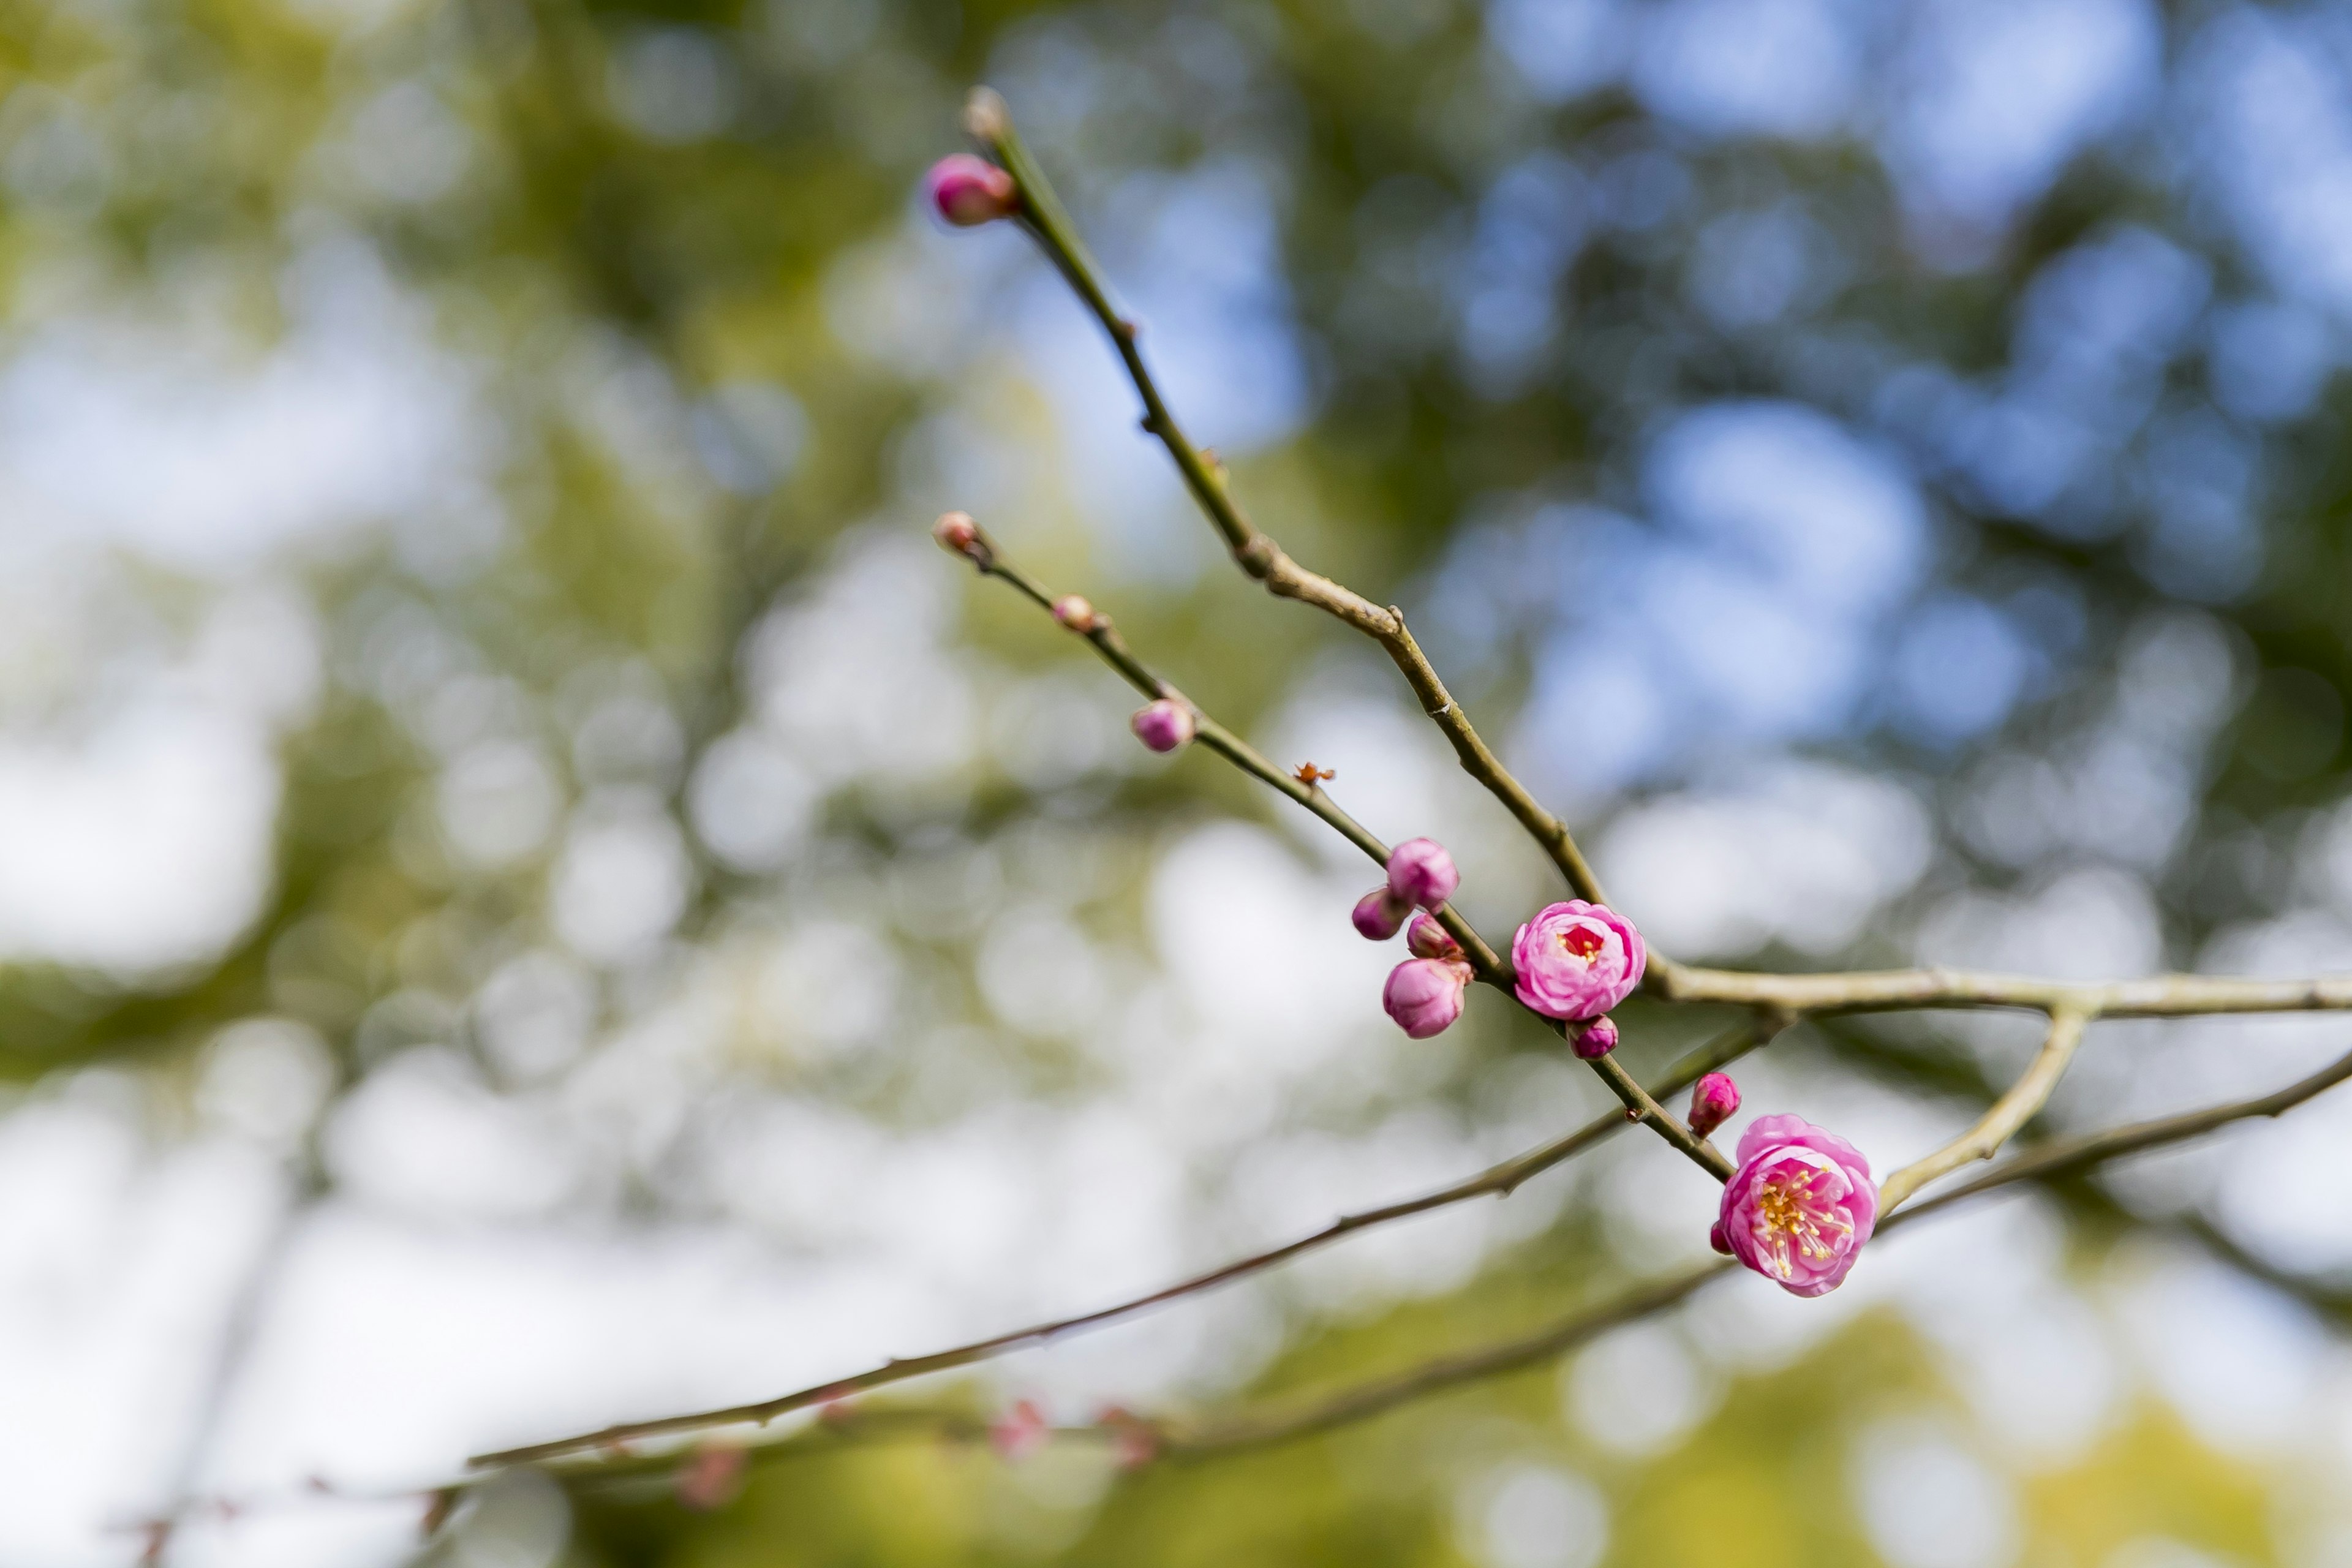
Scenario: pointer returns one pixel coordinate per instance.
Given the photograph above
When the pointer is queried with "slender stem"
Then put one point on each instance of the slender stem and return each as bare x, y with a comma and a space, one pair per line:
1879, 991
1489, 967
990, 124
1999, 1124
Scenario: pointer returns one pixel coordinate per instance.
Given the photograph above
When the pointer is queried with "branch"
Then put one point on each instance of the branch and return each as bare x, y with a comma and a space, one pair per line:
1303, 1419
1892, 989
1097, 630
1499, 1180
990, 124
1998, 1124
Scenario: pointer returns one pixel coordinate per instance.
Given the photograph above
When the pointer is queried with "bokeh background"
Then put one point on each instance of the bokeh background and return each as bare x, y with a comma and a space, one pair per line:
532, 893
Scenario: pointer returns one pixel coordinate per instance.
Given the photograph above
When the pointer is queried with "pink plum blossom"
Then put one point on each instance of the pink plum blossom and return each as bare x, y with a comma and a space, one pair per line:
1798, 1207
1020, 1432
1163, 725
1715, 1099
1422, 873
968, 191
1378, 913
1424, 995
1427, 939
1576, 960
1595, 1040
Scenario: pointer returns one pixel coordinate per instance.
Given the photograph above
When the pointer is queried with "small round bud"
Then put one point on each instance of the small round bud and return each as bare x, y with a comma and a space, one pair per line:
1714, 1098
1074, 613
1378, 913
1425, 996
959, 535
1429, 940
1594, 1040
969, 190
1163, 725
1421, 872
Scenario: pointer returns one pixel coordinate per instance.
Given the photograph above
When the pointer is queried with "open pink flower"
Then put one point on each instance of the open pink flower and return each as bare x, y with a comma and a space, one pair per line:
1424, 995
1576, 960
967, 190
1798, 1207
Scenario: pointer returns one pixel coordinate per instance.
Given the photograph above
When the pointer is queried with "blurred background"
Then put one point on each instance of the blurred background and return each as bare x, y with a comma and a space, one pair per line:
531, 892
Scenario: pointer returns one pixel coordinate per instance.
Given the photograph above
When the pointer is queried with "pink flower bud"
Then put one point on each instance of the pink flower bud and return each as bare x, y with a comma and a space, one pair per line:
1714, 1098
968, 191
1163, 725
1074, 613
1714, 1238
1421, 872
1378, 913
1800, 1206
1021, 1433
1429, 940
1594, 1040
959, 535
1576, 959
710, 1476
1425, 996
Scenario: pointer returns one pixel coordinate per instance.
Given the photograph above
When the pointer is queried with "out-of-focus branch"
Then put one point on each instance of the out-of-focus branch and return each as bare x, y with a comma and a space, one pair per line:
1499, 1180
1896, 990
1998, 1124
990, 124
1097, 629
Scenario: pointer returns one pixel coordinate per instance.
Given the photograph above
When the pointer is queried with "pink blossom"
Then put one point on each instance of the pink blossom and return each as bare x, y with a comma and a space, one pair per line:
1021, 1431
710, 1476
1593, 1041
1424, 995
1163, 725
1576, 959
1798, 1207
1421, 872
1378, 913
1714, 1100
968, 191
1074, 612
1427, 939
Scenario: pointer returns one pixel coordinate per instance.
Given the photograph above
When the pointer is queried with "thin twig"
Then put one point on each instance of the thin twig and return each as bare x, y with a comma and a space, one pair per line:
1895, 990
2000, 1124
1499, 1180
990, 124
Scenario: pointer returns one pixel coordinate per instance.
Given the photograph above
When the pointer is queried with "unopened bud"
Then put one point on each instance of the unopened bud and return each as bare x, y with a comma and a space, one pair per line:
1074, 613
969, 190
959, 535
1424, 995
1378, 913
985, 117
1714, 1098
1429, 940
1421, 872
1594, 1040
1163, 725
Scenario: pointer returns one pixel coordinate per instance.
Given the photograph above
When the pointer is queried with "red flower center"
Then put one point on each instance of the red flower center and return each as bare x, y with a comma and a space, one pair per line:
1582, 940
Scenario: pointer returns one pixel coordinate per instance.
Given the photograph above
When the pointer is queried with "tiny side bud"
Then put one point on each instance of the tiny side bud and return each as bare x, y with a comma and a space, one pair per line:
1378, 913
1714, 1100
1163, 725
1429, 940
985, 117
1074, 613
968, 191
1595, 1039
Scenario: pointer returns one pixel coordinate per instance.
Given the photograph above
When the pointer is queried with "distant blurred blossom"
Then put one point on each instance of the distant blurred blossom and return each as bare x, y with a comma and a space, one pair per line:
1798, 1207
1020, 1432
710, 1476
1577, 959
1163, 725
1422, 873
1424, 995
